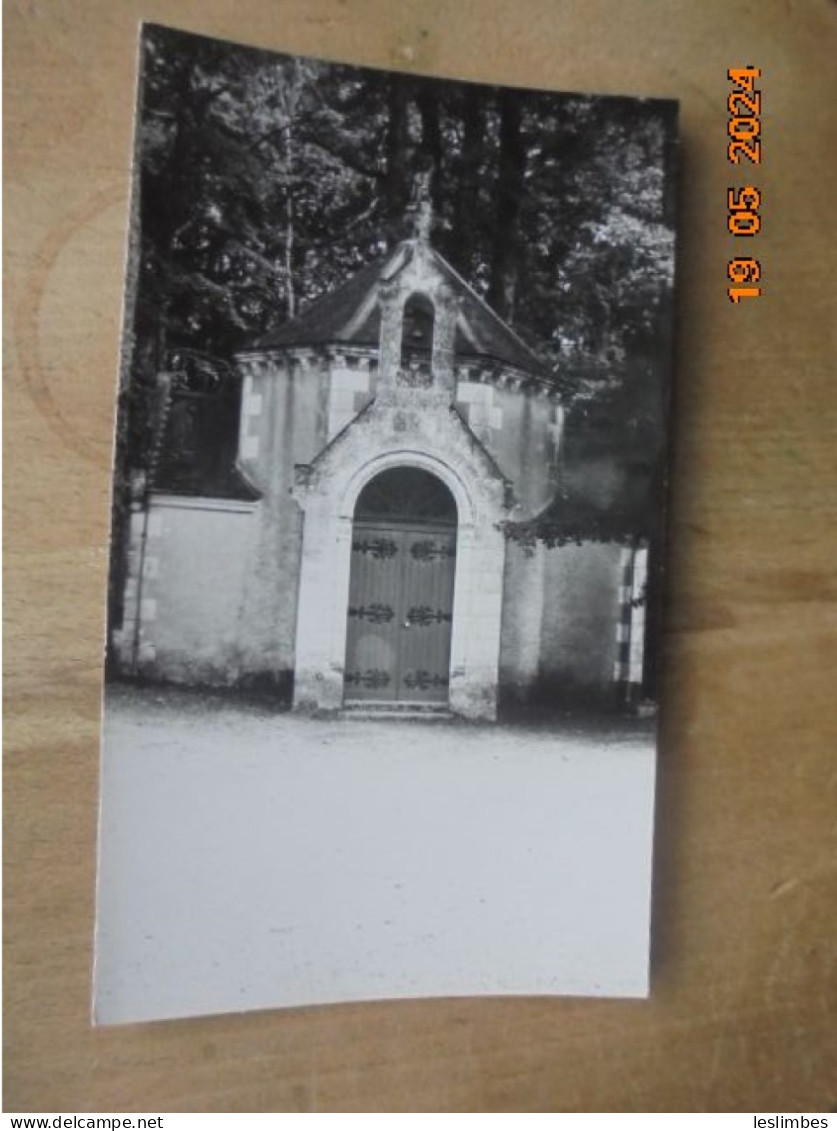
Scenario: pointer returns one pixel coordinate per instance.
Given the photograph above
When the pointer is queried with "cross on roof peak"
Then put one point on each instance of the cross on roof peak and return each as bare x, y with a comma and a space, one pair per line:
420, 208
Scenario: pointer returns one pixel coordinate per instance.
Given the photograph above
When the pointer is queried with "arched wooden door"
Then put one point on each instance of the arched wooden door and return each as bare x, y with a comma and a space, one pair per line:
400, 610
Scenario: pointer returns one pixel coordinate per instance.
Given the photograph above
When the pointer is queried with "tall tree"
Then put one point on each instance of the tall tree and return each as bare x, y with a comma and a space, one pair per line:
510, 172
467, 165
427, 102
397, 189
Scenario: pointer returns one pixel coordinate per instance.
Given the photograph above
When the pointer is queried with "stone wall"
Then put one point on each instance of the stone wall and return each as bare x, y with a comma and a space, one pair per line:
580, 623
189, 600
523, 605
560, 625
521, 428
284, 421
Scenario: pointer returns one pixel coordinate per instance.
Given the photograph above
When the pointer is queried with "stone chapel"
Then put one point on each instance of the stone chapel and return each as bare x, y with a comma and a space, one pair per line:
352, 554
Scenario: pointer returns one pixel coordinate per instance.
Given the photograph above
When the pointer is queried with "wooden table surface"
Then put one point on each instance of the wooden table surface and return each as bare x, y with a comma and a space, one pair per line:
742, 1015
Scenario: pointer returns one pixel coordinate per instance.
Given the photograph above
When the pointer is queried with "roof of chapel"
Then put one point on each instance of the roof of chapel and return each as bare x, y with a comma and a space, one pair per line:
350, 315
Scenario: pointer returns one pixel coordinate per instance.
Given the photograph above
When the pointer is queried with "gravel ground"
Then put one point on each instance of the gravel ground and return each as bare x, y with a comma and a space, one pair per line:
251, 858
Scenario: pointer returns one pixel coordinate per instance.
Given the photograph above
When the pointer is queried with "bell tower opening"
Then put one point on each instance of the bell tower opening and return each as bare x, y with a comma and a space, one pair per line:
417, 327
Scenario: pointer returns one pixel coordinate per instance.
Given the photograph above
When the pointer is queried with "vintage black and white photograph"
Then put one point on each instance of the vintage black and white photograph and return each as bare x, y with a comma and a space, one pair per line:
388, 538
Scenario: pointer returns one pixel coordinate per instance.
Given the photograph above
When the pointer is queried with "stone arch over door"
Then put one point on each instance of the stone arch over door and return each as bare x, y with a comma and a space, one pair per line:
329, 504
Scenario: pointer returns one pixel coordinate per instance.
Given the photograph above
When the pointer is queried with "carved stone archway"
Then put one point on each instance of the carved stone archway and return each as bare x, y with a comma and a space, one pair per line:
328, 493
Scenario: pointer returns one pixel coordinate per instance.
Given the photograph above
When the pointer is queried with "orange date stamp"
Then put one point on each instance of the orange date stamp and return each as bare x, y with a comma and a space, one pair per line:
744, 203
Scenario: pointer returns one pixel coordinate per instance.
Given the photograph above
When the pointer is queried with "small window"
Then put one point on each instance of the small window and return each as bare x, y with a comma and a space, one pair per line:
406, 494
417, 329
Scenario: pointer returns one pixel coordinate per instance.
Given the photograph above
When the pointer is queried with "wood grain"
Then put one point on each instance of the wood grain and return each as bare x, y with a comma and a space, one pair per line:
743, 1009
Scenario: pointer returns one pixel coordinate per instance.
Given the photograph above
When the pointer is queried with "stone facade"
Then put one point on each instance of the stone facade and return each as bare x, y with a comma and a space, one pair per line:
256, 590
404, 428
